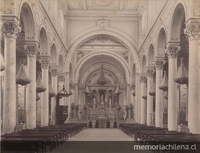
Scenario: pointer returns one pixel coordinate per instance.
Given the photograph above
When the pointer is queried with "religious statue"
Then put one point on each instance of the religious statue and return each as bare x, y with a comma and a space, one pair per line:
94, 103
101, 99
110, 103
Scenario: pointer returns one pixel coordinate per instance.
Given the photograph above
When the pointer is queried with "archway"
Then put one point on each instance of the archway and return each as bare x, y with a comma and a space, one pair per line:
54, 58
88, 36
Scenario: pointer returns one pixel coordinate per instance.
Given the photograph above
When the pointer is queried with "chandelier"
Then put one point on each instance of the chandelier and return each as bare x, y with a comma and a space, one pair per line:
64, 93
102, 80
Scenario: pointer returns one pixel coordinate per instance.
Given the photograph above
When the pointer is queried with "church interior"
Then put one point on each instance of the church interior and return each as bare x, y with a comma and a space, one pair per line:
98, 70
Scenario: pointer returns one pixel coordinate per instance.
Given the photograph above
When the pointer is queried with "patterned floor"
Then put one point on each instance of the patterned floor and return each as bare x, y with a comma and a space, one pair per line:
99, 141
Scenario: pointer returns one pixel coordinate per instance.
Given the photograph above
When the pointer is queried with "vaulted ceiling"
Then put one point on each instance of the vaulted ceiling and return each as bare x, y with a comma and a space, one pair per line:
105, 5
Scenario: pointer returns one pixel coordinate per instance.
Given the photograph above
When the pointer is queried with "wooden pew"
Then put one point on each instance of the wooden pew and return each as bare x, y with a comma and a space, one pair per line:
23, 144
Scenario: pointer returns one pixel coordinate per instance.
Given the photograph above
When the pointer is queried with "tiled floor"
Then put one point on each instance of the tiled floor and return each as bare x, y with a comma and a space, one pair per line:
99, 141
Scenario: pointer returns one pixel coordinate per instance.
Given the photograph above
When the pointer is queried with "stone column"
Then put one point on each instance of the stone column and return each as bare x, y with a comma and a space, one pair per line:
10, 29
193, 32
129, 100
143, 112
134, 103
31, 50
61, 80
172, 51
45, 60
137, 98
67, 98
54, 74
149, 97
158, 115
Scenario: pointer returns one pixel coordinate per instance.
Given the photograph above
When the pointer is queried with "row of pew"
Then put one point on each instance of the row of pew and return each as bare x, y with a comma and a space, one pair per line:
150, 135
40, 139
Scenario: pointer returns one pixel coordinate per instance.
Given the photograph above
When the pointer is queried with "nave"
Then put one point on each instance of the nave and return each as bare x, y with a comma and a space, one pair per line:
68, 63
98, 140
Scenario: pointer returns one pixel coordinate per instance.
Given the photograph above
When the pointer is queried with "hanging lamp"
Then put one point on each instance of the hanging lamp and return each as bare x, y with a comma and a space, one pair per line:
133, 90
77, 108
40, 86
85, 106
102, 80
164, 83
126, 108
51, 92
182, 74
118, 107
87, 91
22, 78
2, 66
2, 63
64, 93
144, 97
37, 97
117, 92
166, 95
73, 106
130, 106
152, 91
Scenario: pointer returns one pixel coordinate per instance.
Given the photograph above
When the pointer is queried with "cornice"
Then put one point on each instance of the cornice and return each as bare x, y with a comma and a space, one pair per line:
107, 16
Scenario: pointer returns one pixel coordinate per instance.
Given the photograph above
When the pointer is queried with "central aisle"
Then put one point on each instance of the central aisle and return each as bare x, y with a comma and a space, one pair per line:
101, 134
99, 141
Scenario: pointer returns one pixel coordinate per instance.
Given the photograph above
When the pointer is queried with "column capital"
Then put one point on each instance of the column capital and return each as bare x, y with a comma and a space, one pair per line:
45, 62
61, 77
143, 78
173, 50
54, 70
10, 27
150, 70
159, 62
192, 29
31, 48
73, 85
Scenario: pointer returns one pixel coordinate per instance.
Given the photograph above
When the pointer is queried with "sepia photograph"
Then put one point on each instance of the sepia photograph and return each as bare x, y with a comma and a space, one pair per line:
100, 76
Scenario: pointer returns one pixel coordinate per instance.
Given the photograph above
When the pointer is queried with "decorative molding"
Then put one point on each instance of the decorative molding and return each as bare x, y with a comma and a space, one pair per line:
192, 29
31, 49
150, 71
103, 23
45, 62
159, 62
172, 50
11, 28
54, 70
61, 78
143, 78
103, 2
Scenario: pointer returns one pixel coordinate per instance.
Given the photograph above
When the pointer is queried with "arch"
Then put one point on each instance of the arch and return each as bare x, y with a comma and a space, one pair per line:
144, 64
43, 42
176, 22
150, 55
90, 55
161, 43
27, 16
53, 55
61, 64
107, 67
87, 36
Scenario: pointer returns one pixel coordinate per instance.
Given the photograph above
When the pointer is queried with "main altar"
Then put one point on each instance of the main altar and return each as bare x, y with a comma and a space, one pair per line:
102, 98
102, 104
